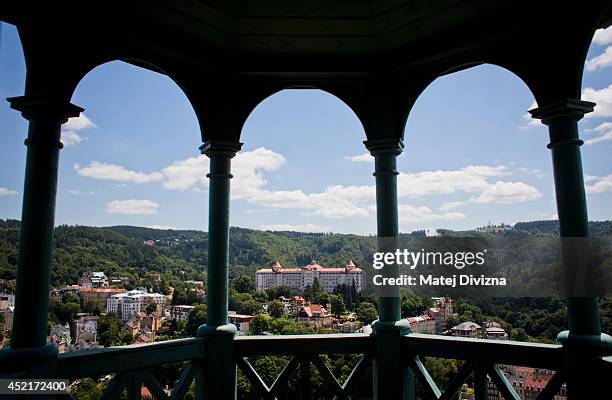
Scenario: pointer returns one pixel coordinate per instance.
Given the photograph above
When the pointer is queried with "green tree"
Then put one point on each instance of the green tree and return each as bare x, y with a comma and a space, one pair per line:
127, 337
337, 304
259, 324
243, 284
64, 312
243, 303
87, 389
197, 317
260, 296
108, 330
151, 308
71, 298
276, 309
324, 298
415, 305
366, 313
275, 292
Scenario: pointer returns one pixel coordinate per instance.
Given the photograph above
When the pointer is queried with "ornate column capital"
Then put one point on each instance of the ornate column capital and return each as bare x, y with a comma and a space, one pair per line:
39, 106
45, 115
572, 109
384, 146
220, 149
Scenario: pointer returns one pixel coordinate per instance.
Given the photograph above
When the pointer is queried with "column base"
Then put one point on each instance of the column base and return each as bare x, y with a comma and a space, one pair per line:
393, 379
598, 345
401, 325
205, 331
216, 380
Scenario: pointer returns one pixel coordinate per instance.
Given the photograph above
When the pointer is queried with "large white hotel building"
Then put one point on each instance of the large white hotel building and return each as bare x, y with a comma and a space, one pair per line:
125, 305
298, 278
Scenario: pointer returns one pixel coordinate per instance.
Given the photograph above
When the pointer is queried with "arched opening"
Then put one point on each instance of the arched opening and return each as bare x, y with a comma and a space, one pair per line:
477, 164
473, 156
301, 175
596, 127
12, 79
306, 135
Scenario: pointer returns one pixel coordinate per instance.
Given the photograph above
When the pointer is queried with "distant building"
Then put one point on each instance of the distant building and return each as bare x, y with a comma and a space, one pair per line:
7, 300
60, 335
292, 304
298, 278
467, 329
241, 321
99, 296
125, 305
118, 280
493, 330
59, 293
7, 313
85, 329
527, 382
422, 324
440, 312
148, 242
315, 315
93, 280
181, 312
495, 228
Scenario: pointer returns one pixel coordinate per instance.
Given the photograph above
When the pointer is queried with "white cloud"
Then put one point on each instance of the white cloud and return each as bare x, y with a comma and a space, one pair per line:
603, 100
297, 228
334, 202
78, 123
365, 157
602, 184
450, 205
410, 214
117, 173
185, 174
538, 173
606, 128
132, 207
7, 192
603, 36
69, 135
601, 61
470, 179
247, 169
507, 193
528, 121
75, 192
603, 138
70, 138
162, 227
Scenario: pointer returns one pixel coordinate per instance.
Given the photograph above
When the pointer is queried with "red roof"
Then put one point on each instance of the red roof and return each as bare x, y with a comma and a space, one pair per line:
535, 383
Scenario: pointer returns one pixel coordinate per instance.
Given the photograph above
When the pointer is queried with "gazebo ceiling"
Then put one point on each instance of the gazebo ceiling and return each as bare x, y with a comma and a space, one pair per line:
303, 43
317, 26
272, 35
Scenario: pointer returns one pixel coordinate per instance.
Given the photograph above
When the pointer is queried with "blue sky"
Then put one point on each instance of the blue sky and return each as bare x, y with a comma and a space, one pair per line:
471, 154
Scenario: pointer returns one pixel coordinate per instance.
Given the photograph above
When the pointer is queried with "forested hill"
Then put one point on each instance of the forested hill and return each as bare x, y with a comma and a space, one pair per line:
181, 254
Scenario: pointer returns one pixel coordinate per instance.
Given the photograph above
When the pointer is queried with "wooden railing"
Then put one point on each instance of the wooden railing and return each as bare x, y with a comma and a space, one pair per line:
131, 365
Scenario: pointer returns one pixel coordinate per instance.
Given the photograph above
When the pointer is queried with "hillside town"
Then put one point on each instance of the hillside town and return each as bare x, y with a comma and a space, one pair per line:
100, 306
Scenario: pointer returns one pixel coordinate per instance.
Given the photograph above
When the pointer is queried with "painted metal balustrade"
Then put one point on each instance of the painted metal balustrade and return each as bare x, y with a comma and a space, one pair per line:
132, 365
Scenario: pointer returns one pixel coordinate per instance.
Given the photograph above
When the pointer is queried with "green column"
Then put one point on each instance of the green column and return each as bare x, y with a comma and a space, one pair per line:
584, 337
217, 378
392, 378
45, 117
